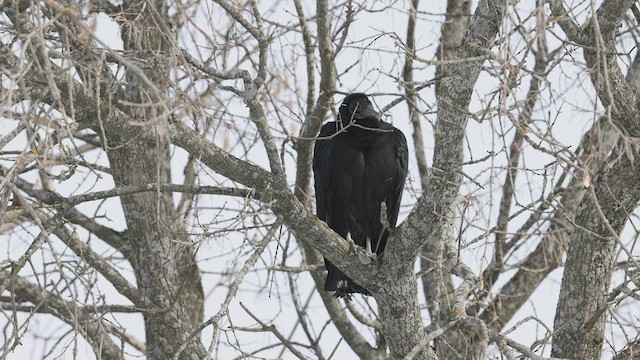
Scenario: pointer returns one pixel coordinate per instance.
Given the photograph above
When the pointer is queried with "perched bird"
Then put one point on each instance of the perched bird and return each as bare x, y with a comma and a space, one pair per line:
359, 163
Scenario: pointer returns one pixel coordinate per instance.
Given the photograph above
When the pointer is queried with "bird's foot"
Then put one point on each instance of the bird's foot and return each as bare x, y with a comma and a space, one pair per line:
366, 259
368, 255
352, 244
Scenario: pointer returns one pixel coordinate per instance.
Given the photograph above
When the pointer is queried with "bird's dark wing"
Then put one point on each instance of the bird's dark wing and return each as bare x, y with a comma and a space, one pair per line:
326, 186
322, 172
401, 153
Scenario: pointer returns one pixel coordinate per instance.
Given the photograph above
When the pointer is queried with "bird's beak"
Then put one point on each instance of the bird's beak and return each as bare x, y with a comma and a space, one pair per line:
365, 111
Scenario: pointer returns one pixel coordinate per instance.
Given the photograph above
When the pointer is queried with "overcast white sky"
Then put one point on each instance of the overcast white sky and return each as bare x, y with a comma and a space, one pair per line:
571, 113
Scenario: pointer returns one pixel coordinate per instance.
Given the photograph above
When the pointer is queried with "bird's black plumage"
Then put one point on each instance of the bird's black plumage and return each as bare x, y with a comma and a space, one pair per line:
359, 163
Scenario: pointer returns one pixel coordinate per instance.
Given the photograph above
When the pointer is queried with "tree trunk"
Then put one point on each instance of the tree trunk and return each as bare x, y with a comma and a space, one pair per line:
580, 315
161, 256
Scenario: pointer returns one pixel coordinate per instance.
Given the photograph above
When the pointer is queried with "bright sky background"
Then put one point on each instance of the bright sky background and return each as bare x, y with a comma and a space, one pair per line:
571, 111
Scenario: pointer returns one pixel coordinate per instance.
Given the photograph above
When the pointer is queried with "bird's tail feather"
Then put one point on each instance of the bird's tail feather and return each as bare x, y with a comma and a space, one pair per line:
339, 282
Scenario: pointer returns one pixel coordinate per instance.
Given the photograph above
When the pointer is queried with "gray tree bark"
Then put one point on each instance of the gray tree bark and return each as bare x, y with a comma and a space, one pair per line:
590, 261
610, 199
161, 252
161, 255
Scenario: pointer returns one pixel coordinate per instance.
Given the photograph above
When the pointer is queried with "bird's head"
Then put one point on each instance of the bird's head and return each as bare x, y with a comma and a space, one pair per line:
356, 108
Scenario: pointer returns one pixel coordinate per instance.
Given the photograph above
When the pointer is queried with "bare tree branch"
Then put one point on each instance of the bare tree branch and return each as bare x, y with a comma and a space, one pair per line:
91, 327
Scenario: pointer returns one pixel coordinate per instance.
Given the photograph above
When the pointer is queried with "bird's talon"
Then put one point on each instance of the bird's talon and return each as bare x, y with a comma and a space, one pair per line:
364, 258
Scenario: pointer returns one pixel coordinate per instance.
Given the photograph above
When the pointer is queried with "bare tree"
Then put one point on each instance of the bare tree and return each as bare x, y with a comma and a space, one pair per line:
155, 179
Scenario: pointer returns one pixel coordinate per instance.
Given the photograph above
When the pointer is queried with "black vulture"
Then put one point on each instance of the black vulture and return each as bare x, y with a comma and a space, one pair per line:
359, 163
